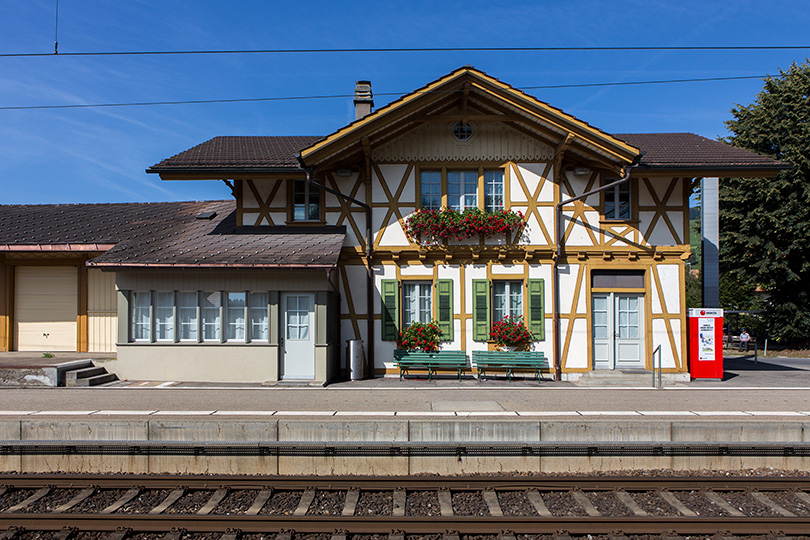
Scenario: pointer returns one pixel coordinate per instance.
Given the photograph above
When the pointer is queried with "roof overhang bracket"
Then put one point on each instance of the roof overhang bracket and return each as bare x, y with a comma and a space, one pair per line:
562, 147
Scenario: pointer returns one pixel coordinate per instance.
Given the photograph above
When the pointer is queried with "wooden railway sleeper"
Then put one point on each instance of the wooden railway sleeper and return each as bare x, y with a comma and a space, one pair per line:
170, 499
41, 492
81, 496
258, 503
769, 503
122, 500
66, 533
586, 504
175, 534
626, 499
213, 501
670, 498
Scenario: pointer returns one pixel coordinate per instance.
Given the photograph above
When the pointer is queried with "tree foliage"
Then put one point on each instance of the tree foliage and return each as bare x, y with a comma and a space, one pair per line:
765, 223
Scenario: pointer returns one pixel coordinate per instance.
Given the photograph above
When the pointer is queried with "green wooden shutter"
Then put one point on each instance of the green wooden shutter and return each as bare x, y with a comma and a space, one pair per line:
444, 313
480, 309
390, 310
537, 309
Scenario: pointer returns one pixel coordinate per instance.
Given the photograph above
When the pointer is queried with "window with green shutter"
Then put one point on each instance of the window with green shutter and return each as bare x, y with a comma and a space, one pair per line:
537, 311
480, 309
444, 311
390, 310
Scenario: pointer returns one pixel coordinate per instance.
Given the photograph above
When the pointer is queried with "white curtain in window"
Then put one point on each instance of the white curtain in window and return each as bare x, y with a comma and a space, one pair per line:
187, 315
259, 329
164, 316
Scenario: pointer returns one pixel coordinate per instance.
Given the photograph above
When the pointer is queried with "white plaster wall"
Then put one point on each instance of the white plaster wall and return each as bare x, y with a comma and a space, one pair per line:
532, 233
249, 218
676, 332
531, 173
501, 269
356, 276
579, 234
669, 274
416, 270
660, 337
279, 218
578, 348
568, 282
394, 235
660, 235
393, 175
516, 192
452, 271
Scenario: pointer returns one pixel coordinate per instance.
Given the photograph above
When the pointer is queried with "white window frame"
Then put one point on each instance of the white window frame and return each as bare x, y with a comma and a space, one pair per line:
194, 324
466, 178
508, 294
423, 291
621, 197
258, 316
433, 179
204, 311
494, 179
135, 322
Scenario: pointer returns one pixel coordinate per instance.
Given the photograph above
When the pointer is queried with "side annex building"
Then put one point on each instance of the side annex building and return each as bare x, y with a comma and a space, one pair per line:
316, 245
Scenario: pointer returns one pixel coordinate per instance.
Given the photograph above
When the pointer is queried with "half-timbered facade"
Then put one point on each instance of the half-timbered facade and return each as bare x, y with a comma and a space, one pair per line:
597, 271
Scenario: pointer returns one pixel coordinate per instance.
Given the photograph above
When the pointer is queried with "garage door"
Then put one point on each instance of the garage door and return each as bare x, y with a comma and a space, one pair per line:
45, 308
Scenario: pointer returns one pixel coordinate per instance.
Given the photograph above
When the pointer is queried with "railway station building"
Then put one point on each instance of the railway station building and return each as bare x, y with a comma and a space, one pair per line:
582, 233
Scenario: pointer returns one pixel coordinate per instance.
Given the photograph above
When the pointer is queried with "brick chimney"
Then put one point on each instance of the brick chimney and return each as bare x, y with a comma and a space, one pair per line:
363, 99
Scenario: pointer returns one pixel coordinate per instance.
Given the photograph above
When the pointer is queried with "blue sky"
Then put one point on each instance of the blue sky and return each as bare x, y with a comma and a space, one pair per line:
99, 155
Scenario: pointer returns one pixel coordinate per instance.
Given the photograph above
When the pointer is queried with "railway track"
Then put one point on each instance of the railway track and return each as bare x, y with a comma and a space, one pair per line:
121, 507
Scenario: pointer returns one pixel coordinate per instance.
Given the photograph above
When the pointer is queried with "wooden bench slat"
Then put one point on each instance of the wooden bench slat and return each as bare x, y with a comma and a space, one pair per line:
509, 361
430, 360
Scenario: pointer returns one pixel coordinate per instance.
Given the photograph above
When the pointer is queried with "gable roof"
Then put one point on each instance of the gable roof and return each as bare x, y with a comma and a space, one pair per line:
681, 151
167, 234
244, 154
514, 106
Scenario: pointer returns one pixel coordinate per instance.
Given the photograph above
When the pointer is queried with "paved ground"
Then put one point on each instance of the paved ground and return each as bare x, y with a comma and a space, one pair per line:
776, 387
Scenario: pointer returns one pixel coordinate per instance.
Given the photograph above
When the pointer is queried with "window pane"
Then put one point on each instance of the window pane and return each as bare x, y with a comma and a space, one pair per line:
314, 208
187, 314
236, 317
140, 316
408, 303
515, 298
431, 187
498, 300
210, 303
425, 304
493, 191
164, 316
259, 329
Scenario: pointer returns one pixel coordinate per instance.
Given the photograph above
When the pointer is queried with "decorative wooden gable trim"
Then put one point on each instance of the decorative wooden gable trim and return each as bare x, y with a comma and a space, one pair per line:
433, 141
464, 87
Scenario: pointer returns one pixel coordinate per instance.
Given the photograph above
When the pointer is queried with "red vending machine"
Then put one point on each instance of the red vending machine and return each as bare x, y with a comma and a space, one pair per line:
706, 343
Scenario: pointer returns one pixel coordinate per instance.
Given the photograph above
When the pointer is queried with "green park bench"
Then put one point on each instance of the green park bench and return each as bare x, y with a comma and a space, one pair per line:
431, 361
509, 361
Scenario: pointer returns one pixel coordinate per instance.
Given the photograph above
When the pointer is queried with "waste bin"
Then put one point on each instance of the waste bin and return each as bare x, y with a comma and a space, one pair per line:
356, 359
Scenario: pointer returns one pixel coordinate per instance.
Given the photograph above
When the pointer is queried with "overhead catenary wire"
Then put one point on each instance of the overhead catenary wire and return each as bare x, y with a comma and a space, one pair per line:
343, 96
419, 50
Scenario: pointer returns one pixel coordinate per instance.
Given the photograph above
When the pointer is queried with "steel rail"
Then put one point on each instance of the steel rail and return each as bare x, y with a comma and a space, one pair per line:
399, 449
381, 483
411, 525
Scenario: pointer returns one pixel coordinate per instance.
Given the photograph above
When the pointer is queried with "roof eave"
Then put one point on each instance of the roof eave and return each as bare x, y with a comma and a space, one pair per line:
214, 265
763, 171
217, 173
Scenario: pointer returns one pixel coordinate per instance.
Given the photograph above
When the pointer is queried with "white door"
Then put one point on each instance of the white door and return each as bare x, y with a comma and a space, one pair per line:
618, 331
298, 339
45, 308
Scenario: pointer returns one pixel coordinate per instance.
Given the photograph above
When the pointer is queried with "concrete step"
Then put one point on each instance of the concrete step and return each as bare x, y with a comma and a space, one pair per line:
638, 378
97, 380
83, 373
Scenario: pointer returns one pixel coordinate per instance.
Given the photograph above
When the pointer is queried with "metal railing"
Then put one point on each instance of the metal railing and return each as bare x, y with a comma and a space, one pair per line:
660, 383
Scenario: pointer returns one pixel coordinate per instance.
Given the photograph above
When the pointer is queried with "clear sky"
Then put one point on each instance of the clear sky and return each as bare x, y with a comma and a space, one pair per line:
99, 154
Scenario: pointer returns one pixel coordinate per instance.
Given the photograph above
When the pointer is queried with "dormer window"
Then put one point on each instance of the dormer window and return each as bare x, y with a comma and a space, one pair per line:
306, 204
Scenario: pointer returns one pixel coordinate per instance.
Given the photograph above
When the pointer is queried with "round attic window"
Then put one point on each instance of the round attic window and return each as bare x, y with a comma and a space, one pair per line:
462, 132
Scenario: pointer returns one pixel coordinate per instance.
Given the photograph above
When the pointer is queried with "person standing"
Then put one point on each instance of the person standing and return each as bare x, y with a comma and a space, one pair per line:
744, 339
